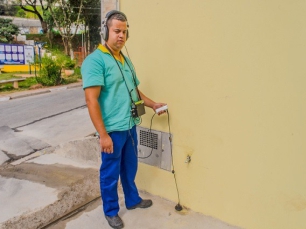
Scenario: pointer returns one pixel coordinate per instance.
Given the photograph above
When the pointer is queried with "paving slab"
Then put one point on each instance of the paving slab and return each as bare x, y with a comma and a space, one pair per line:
16, 146
161, 215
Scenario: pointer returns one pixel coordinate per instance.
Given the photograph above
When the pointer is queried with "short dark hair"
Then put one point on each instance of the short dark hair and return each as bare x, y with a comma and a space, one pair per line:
118, 16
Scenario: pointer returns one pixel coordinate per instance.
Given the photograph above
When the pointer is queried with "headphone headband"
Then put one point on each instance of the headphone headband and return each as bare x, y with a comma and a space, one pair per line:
105, 31
112, 12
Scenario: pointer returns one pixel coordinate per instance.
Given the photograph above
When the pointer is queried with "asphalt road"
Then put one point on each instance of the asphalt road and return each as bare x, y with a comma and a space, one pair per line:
22, 111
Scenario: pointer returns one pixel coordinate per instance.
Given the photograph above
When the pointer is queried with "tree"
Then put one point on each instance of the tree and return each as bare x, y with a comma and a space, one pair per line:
66, 19
7, 30
38, 8
91, 16
50, 22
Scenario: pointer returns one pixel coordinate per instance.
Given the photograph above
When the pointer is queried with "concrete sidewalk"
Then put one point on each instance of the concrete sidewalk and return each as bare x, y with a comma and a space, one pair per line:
161, 215
38, 190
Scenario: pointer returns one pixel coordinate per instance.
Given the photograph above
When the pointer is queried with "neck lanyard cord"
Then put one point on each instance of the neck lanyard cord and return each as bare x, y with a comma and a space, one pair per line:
134, 77
121, 74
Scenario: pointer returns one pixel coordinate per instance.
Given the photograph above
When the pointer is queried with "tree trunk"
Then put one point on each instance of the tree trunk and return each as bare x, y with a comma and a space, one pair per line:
71, 49
65, 43
88, 39
44, 26
84, 49
50, 38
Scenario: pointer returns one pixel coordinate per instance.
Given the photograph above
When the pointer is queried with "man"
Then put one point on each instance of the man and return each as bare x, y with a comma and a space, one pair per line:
110, 85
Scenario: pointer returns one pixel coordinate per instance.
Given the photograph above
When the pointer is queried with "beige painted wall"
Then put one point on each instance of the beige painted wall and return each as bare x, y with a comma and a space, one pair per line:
234, 76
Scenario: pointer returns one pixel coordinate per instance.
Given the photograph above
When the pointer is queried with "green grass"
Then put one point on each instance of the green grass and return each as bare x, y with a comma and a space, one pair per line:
69, 80
73, 78
27, 83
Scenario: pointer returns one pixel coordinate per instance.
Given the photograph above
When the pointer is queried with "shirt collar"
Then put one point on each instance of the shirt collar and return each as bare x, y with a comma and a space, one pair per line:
103, 49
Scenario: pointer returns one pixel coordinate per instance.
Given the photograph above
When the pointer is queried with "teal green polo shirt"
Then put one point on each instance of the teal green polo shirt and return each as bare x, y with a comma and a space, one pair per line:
100, 69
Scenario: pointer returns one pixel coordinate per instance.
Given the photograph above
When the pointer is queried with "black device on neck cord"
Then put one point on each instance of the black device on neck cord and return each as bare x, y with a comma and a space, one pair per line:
137, 108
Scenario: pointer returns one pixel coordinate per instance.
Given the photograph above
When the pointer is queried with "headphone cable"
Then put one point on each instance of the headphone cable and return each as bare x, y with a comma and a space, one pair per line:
150, 131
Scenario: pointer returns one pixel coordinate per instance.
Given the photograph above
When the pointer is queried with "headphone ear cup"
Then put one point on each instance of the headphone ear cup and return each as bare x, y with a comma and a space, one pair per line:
104, 32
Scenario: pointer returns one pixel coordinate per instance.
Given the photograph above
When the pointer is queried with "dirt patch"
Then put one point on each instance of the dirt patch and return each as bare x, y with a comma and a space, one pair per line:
54, 176
36, 86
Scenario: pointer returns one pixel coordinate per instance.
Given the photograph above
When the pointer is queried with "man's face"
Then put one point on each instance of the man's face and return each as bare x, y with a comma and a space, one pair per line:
117, 34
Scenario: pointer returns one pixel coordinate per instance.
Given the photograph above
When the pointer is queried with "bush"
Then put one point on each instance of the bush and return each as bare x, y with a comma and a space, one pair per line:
77, 72
69, 64
50, 74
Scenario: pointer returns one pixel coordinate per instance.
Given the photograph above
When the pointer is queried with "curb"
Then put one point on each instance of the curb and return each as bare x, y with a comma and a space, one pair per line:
28, 93
57, 89
6, 98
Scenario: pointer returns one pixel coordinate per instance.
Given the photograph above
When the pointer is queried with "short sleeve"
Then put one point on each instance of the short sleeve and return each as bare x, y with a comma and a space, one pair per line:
92, 71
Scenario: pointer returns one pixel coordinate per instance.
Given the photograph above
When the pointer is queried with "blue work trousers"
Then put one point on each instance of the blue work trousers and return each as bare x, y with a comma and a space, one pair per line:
124, 162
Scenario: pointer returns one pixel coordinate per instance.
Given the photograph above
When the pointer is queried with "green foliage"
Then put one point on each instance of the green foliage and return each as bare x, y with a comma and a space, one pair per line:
33, 15
51, 68
7, 30
69, 64
77, 72
20, 13
37, 37
27, 83
70, 79
50, 74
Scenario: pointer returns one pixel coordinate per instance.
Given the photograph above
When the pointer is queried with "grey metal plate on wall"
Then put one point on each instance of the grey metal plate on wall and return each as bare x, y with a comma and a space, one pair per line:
154, 148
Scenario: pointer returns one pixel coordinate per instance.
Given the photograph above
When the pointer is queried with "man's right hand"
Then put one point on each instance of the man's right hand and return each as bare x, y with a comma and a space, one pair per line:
106, 144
